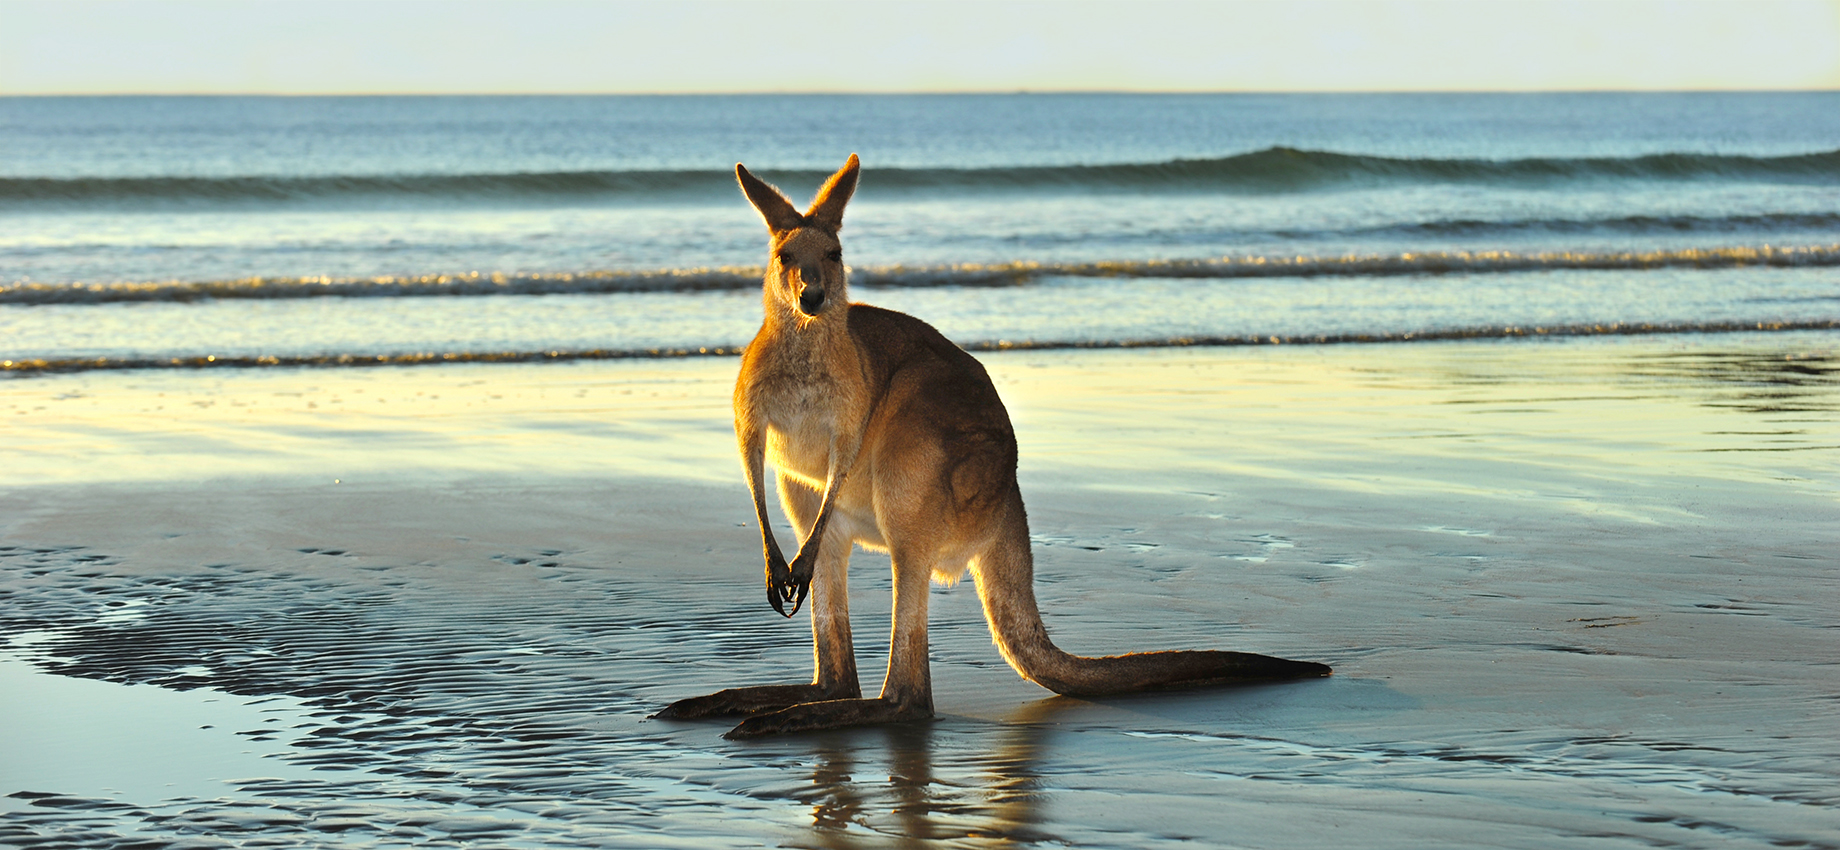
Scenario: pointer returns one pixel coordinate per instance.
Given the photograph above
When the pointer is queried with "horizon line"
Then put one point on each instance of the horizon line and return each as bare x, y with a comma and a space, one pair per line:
994, 92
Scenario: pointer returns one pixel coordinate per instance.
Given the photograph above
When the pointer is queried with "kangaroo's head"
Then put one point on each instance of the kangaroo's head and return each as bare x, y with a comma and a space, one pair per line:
805, 273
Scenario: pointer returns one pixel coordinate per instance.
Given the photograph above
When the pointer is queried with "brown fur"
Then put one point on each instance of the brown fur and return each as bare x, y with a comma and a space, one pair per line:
885, 434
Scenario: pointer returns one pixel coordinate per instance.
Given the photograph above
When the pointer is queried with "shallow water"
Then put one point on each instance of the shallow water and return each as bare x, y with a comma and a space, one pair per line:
1577, 593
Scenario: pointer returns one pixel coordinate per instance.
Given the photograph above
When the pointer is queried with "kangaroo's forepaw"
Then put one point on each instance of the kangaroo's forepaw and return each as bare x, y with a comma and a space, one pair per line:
830, 714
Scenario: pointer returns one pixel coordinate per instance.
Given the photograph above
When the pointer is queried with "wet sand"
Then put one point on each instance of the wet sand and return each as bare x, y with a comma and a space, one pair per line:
1579, 593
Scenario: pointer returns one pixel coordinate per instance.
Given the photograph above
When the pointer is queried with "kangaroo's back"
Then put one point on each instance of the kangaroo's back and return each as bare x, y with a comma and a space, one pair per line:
928, 383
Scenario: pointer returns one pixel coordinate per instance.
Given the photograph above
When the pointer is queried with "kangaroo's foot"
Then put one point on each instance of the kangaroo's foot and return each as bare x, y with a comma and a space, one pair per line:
831, 714
752, 700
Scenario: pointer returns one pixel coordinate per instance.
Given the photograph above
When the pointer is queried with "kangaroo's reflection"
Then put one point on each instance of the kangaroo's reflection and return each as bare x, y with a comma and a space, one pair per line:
836, 804
984, 796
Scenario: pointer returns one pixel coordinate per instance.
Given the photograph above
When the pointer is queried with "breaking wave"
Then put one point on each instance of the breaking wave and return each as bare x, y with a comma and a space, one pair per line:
1276, 169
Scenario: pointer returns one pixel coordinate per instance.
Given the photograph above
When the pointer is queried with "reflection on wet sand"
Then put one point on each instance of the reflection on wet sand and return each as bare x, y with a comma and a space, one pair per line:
836, 803
852, 808
1752, 382
1016, 795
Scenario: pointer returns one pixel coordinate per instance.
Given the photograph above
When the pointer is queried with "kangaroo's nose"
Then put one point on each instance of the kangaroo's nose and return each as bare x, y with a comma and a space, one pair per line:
811, 298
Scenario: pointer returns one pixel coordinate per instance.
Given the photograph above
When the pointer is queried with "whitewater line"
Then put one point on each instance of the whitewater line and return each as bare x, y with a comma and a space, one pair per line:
40, 366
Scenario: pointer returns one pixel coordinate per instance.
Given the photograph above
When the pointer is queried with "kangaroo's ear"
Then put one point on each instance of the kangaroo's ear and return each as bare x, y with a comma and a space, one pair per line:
779, 213
827, 209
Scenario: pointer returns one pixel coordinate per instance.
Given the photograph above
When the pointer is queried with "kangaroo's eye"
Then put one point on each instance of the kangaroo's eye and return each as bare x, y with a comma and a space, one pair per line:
835, 256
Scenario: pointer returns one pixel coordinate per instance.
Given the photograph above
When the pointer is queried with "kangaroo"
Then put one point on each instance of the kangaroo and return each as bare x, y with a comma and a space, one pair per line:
885, 434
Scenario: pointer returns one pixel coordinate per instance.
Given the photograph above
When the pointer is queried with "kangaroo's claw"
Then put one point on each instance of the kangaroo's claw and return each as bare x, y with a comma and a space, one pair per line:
788, 584
773, 599
779, 587
796, 582
779, 593
803, 589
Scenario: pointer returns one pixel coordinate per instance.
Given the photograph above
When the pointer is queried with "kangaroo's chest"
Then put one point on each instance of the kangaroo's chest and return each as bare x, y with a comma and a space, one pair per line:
805, 410
809, 393
800, 430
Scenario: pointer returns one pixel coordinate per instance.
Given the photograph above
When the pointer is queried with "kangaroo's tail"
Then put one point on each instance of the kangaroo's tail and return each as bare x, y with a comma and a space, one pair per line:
1005, 576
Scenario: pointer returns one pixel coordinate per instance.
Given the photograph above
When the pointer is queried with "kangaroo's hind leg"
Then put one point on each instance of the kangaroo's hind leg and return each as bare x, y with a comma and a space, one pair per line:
833, 651
833, 654
907, 692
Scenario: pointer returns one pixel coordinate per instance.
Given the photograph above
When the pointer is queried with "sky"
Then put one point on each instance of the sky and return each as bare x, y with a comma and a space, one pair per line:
494, 46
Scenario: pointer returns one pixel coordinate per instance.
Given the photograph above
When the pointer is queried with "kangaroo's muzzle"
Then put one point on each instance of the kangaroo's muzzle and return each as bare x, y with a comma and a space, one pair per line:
811, 299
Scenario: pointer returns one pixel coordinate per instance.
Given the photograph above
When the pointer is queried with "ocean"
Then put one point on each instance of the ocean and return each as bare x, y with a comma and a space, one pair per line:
162, 232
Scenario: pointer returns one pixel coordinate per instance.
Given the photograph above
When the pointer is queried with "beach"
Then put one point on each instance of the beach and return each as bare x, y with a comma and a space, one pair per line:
1577, 593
